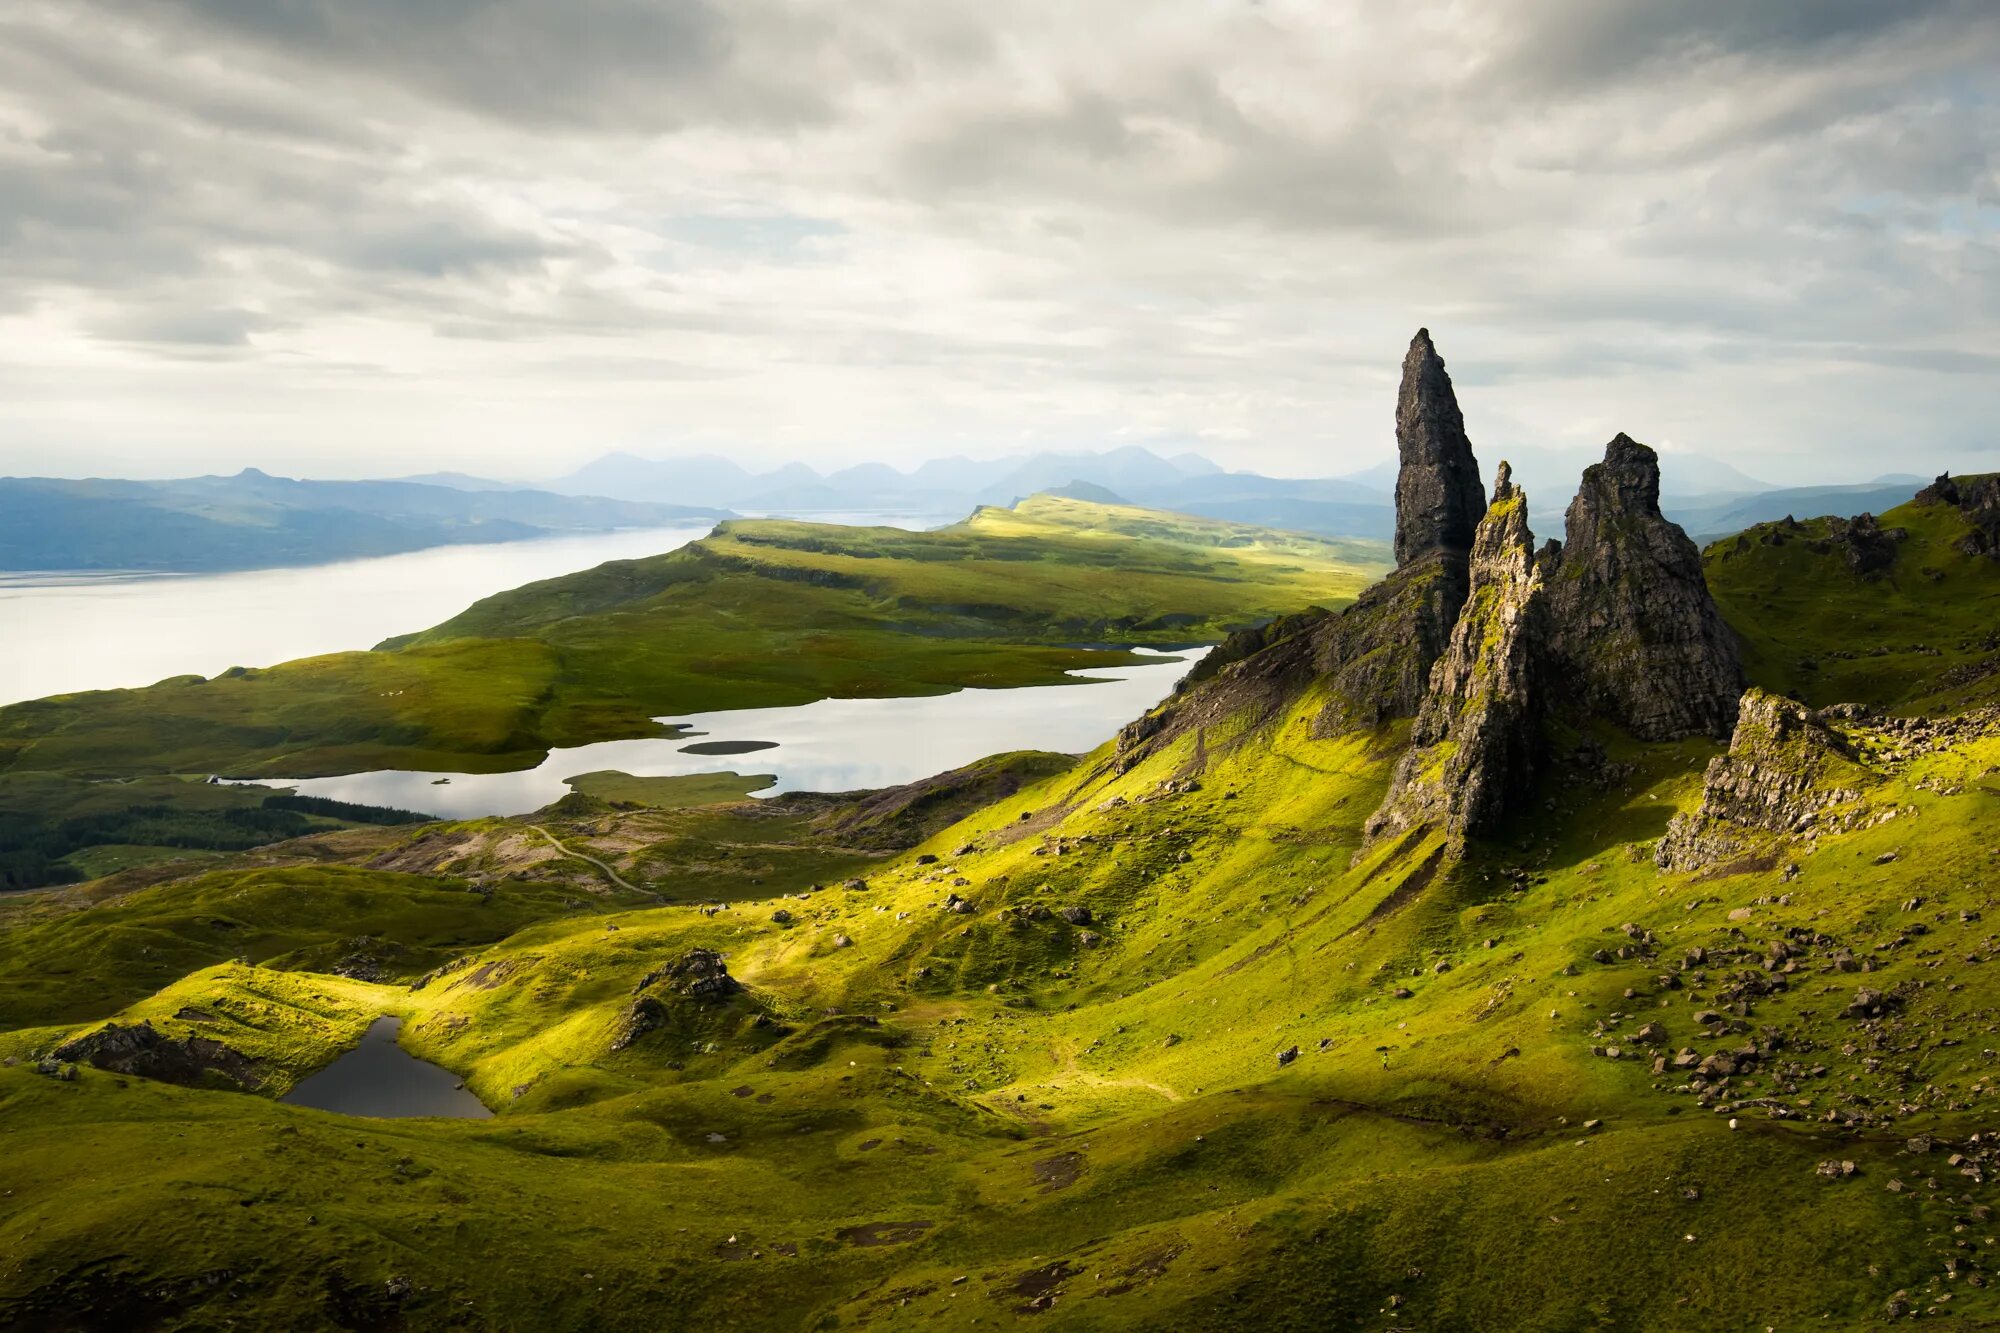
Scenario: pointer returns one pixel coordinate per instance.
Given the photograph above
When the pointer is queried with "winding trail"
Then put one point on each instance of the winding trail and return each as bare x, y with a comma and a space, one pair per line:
609, 873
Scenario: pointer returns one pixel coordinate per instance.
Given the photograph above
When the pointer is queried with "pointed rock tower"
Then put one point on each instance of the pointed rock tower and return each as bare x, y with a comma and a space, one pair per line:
1438, 497
1635, 635
1472, 746
1372, 658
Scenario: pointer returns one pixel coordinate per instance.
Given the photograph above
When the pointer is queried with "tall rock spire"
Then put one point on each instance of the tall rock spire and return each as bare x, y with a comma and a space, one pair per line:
1472, 747
1636, 636
1438, 497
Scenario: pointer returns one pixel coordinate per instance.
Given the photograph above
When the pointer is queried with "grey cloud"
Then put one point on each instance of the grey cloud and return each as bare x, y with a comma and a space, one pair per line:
216, 328
905, 222
1591, 42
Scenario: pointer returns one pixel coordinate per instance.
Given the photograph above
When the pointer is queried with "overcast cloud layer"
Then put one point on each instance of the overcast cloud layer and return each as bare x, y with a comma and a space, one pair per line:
364, 237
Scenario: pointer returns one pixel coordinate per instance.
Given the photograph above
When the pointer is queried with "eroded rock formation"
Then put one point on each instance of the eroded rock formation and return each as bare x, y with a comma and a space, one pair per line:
1373, 657
1635, 637
1787, 774
142, 1051
1472, 745
1438, 497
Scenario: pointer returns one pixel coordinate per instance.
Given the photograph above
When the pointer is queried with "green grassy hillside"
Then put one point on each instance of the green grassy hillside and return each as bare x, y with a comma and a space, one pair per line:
1092, 1114
1152, 1040
760, 614
1920, 631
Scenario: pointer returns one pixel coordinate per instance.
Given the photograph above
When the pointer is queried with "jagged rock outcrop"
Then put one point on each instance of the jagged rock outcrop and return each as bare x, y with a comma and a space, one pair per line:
1374, 657
1787, 774
698, 974
698, 978
1978, 499
1439, 500
142, 1051
1867, 546
1635, 637
1472, 746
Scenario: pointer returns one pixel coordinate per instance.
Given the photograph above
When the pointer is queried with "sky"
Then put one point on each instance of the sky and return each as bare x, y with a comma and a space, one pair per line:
377, 237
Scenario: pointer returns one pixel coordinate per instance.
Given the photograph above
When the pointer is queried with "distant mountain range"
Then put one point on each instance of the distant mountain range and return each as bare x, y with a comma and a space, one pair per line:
1706, 496
253, 520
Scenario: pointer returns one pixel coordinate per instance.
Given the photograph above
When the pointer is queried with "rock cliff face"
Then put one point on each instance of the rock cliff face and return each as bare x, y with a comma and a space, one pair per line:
1472, 745
1787, 774
1438, 496
1635, 636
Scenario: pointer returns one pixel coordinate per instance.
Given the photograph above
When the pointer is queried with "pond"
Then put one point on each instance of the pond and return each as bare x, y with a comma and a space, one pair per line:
831, 745
379, 1078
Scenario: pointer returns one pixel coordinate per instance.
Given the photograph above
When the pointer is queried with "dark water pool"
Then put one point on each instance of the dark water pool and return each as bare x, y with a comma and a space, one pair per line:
379, 1078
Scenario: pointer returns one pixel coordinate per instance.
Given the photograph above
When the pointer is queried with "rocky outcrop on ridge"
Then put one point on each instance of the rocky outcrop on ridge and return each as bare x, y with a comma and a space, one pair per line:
1439, 501
1978, 499
1374, 657
1635, 637
1472, 745
143, 1052
697, 979
1867, 546
698, 974
1787, 774
1478, 638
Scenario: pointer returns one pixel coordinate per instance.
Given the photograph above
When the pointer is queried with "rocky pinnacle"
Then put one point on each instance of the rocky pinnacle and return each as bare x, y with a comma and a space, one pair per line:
1439, 501
1472, 746
1636, 637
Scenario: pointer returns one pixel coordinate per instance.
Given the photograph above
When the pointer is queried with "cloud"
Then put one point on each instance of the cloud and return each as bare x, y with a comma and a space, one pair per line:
513, 233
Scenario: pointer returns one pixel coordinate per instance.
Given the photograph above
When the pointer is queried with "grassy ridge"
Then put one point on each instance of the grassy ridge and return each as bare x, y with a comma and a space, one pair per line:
1919, 633
761, 614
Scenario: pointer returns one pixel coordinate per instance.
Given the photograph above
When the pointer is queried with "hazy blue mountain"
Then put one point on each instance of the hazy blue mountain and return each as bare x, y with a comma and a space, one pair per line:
1327, 518
1705, 495
1718, 517
937, 485
699, 480
253, 520
462, 481
1084, 490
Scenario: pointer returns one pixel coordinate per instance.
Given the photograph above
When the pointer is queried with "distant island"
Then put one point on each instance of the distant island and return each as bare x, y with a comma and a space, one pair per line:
256, 521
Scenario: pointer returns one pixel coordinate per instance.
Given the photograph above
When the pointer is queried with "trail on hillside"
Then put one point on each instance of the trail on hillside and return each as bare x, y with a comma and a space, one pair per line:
609, 873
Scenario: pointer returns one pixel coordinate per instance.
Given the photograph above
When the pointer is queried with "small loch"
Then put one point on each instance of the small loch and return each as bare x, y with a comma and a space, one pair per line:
380, 1079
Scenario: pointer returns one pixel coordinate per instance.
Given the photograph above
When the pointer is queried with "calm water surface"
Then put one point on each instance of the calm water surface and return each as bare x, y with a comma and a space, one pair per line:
109, 631
379, 1078
832, 745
